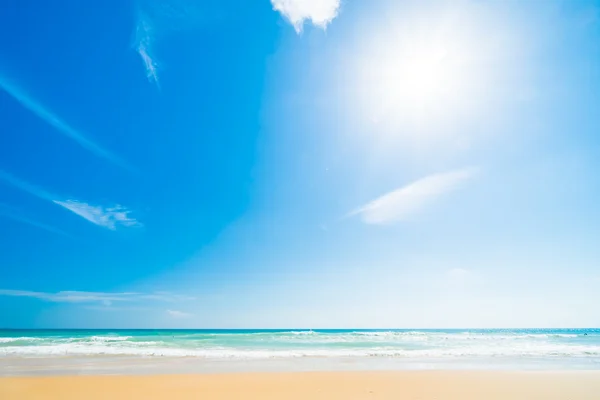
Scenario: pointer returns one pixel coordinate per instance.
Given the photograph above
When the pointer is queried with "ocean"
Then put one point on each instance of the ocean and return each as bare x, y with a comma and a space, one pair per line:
348, 348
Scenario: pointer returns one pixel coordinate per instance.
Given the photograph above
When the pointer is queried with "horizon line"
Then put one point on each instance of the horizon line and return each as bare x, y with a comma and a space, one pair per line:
289, 329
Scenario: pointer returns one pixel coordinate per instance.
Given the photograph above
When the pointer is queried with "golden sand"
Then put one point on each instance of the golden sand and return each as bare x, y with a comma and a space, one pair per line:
408, 385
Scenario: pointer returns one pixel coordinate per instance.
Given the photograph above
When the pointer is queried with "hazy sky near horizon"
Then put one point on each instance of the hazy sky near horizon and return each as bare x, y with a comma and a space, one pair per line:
300, 163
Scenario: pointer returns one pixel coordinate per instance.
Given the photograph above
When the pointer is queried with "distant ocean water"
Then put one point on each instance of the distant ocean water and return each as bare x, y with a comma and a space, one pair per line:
541, 344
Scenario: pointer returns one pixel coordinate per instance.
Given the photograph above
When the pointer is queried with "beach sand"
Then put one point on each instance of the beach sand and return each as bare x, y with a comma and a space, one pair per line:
421, 385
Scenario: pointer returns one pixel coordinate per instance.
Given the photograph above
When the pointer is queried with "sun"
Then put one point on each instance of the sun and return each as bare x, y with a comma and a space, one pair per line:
420, 75
413, 80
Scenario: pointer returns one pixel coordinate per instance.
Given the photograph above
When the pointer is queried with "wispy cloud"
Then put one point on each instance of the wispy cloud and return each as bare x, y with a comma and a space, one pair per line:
96, 297
408, 200
11, 213
107, 217
178, 314
42, 112
143, 45
26, 187
319, 12
156, 19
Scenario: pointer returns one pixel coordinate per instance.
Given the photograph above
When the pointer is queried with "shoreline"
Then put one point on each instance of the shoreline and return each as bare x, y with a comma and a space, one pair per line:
101, 365
422, 385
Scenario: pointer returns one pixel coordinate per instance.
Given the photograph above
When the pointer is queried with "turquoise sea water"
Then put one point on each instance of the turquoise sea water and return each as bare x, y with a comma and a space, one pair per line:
551, 344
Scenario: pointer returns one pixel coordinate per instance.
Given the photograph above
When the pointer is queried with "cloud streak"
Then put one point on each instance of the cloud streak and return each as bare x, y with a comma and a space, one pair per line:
53, 120
319, 12
10, 213
107, 217
26, 187
406, 201
96, 297
178, 314
156, 19
143, 45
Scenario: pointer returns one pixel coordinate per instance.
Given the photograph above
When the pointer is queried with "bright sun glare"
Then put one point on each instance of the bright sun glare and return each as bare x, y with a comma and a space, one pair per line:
425, 74
415, 79
413, 82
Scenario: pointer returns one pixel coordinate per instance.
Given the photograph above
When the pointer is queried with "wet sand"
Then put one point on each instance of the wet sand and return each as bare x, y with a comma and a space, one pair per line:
408, 385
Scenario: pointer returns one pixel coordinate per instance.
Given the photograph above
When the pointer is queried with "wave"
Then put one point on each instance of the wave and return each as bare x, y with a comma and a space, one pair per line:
399, 337
390, 333
307, 343
18, 339
225, 353
316, 338
109, 338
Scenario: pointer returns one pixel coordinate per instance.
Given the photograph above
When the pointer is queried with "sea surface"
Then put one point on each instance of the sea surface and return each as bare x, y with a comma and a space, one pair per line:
23, 350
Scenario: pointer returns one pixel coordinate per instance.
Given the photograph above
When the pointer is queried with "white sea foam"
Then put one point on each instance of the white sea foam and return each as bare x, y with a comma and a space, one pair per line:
404, 337
292, 344
109, 338
18, 339
390, 333
79, 349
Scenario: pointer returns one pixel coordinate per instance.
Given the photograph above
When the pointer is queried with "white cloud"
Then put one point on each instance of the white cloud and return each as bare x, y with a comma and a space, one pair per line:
178, 314
157, 19
319, 12
60, 125
168, 297
95, 297
409, 200
107, 217
143, 45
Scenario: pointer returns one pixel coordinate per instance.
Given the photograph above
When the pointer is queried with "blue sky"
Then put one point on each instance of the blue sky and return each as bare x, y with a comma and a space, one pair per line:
300, 163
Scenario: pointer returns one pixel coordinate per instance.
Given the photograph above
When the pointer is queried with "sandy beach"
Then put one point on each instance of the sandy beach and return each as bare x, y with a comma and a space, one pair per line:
421, 385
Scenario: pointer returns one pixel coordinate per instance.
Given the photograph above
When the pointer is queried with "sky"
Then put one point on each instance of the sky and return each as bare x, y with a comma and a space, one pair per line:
299, 164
